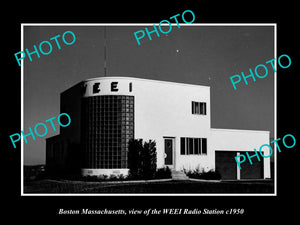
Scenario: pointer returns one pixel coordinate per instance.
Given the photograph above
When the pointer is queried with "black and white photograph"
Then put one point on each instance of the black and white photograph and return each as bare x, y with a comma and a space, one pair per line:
164, 113
143, 118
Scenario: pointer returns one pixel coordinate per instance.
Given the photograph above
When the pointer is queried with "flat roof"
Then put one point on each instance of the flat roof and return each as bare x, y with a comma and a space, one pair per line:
239, 130
147, 80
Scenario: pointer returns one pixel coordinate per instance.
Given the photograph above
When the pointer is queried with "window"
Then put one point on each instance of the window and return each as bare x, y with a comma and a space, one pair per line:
199, 108
204, 146
202, 108
182, 146
193, 146
196, 144
107, 125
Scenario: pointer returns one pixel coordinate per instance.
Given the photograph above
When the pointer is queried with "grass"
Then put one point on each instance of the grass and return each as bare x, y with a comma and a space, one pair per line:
64, 186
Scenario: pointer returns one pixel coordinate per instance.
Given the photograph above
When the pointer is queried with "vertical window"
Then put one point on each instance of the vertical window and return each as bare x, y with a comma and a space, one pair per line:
191, 146
197, 106
193, 107
196, 144
203, 108
204, 146
187, 151
182, 146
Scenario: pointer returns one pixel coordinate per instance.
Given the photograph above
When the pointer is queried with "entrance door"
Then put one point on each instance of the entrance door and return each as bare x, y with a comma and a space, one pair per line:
169, 146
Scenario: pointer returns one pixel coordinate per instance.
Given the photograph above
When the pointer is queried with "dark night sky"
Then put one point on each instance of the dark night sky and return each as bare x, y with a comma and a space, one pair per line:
204, 55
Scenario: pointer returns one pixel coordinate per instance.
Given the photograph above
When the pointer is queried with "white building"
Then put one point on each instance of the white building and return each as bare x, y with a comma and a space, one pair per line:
107, 111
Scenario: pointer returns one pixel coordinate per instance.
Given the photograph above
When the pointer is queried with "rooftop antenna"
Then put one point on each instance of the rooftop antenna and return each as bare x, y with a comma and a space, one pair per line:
105, 51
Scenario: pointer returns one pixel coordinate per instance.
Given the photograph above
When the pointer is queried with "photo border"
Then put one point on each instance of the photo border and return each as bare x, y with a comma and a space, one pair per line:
158, 194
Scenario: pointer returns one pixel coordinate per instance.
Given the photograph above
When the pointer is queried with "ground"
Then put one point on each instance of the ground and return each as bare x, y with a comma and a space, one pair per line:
65, 186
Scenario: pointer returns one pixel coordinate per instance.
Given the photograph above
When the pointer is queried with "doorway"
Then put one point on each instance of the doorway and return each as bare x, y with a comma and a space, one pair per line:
169, 151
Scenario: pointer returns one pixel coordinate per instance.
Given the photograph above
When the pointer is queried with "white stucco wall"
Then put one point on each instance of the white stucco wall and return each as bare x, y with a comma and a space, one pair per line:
242, 141
164, 109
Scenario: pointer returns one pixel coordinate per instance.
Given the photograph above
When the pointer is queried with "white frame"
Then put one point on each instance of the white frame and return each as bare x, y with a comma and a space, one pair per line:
151, 24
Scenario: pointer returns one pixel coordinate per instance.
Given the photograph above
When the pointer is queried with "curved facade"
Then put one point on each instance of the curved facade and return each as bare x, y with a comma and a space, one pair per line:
107, 126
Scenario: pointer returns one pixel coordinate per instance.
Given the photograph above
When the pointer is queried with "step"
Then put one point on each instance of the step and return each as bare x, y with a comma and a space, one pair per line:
179, 175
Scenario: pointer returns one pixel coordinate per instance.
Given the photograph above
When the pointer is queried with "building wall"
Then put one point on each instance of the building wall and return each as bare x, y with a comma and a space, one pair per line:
56, 154
163, 109
70, 102
241, 141
63, 150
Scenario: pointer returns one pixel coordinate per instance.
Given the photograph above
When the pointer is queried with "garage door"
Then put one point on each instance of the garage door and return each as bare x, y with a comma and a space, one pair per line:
254, 171
227, 167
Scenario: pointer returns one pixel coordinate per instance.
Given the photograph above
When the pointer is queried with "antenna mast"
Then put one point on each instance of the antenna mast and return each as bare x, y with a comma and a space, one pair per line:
105, 51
